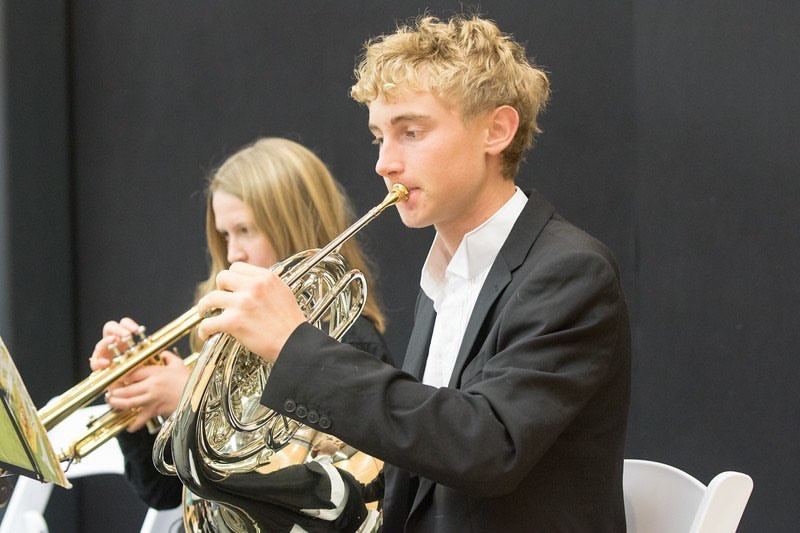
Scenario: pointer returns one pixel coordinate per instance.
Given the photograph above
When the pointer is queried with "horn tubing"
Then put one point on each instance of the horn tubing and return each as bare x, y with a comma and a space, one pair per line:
398, 193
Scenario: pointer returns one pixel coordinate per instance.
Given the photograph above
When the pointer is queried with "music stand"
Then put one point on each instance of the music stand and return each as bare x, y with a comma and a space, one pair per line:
25, 448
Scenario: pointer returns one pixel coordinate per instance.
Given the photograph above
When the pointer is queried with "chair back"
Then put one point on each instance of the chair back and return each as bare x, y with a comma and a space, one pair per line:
660, 498
164, 521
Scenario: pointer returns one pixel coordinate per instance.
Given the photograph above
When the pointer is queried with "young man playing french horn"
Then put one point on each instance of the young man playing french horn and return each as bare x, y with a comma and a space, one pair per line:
510, 411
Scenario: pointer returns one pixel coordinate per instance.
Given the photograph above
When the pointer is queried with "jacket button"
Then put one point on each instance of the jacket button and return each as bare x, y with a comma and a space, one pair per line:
324, 422
289, 406
313, 417
301, 411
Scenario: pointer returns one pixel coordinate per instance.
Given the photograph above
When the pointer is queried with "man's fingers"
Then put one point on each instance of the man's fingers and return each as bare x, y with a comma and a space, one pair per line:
230, 280
246, 269
240, 275
209, 326
216, 299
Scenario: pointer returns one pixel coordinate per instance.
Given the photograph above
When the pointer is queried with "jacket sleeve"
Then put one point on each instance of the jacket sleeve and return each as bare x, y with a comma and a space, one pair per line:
544, 356
153, 488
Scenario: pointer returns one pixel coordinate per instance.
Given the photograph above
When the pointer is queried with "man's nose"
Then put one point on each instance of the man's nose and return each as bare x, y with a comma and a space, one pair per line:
389, 161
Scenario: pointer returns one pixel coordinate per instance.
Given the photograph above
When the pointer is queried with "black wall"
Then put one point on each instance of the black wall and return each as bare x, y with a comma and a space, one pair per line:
672, 135
718, 247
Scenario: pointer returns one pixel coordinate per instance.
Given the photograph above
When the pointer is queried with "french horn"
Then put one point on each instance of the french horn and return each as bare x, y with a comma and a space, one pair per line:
220, 429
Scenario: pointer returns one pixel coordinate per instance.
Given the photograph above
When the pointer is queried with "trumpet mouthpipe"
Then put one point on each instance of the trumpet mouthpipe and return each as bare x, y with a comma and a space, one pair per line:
98, 432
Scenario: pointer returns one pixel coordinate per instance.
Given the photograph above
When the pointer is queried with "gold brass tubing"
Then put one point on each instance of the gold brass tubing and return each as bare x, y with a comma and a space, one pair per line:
98, 381
107, 426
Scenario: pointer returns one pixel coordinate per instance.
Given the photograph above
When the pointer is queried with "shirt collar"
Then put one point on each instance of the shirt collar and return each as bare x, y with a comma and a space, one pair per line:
475, 253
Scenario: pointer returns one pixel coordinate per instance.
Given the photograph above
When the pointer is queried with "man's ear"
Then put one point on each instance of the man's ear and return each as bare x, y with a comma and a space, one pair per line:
502, 124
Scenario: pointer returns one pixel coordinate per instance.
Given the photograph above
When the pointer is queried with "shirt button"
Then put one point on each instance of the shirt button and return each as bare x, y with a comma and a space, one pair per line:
313, 417
301, 411
289, 406
324, 422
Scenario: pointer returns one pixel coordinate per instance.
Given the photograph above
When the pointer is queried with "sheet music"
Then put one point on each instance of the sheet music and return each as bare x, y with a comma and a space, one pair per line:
24, 446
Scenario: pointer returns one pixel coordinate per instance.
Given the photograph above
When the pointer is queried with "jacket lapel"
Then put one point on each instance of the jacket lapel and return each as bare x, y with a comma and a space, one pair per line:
529, 225
417, 350
526, 229
499, 276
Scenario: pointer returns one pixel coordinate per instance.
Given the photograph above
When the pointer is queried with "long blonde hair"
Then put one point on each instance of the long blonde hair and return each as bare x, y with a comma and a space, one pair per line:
295, 202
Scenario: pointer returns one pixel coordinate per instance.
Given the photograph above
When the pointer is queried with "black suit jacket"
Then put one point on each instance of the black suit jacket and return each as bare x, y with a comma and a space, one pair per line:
529, 434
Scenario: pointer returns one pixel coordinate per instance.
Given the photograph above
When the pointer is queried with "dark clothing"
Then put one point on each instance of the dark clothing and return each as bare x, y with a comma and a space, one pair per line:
156, 490
529, 434
162, 492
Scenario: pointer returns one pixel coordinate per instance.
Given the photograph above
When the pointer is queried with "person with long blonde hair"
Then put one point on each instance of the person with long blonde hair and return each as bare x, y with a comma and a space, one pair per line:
269, 200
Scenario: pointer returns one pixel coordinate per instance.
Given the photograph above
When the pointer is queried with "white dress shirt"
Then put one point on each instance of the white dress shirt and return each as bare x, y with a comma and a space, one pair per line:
453, 283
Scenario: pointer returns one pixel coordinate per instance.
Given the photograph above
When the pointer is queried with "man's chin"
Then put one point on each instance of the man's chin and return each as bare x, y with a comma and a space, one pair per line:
411, 221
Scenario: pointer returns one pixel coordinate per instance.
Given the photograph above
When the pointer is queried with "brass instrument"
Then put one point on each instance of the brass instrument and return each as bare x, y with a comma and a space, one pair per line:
107, 426
220, 429
93, 386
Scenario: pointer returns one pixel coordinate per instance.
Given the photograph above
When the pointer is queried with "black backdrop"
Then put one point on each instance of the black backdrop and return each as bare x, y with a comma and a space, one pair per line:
672, 136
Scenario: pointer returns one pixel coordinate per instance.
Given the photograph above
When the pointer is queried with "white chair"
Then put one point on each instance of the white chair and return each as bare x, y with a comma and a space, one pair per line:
166, 521
660, 498
25, 512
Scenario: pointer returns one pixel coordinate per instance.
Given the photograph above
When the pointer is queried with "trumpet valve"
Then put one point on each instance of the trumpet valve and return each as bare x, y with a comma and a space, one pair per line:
115, 350
128, 343
140, 334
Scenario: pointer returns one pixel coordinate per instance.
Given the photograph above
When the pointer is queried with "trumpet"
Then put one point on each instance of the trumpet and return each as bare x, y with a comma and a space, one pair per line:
107, 426
145, 349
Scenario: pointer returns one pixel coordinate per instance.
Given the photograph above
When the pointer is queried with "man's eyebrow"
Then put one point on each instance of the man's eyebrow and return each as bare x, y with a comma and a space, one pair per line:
408, 117
405, 117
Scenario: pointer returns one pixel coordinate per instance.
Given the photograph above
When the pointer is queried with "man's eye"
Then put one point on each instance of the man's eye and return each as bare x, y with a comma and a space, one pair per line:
377, 141
412, 134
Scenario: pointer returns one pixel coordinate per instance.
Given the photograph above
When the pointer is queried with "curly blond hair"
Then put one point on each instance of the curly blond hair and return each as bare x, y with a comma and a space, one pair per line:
467, 61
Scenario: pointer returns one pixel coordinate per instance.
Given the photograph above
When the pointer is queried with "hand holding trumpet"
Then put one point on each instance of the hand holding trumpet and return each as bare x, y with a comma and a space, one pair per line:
154, 390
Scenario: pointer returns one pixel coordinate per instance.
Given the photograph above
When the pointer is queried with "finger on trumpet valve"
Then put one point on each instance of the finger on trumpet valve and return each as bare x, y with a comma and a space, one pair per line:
127, 341
114, 347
